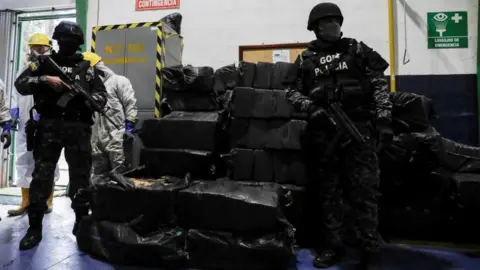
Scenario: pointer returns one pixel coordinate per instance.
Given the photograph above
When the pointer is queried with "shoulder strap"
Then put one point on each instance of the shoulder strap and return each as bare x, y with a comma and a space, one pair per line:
304, 54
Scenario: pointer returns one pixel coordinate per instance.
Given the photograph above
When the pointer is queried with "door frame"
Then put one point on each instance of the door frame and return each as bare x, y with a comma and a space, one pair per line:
17, 30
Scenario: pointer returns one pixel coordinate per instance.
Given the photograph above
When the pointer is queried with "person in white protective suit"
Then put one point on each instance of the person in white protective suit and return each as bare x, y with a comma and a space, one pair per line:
108, 141
20, 112
5, 121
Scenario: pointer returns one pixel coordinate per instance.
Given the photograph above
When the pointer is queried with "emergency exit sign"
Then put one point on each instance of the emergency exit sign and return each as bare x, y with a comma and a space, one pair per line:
447, 30
156, 4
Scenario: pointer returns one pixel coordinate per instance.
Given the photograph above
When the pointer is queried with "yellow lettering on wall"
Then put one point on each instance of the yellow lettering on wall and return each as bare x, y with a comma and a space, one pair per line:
108, 49
114, 48
135, 47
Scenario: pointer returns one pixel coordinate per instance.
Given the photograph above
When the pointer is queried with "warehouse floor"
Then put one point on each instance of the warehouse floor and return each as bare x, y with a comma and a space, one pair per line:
58, 250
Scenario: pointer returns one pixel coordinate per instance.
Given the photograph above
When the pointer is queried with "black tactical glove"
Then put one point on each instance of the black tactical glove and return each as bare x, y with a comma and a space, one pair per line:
99, 100
316, 112
385, 136
320, 118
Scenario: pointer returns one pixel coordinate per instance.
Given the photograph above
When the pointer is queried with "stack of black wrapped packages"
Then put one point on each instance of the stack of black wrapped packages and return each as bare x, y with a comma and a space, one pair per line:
223, 179
429, 184
177, 209
266, 135
191, 133
233, 225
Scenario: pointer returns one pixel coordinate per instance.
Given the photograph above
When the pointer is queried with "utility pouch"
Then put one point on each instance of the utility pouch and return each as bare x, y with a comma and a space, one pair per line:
30, 130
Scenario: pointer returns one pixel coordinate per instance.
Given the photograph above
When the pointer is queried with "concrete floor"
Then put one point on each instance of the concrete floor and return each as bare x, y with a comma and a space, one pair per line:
58, 249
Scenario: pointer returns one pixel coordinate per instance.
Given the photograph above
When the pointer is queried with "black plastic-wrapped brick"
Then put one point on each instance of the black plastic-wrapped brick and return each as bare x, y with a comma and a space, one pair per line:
286, 135
231, 206
225, 250
260, 103
251, 134
289, 168
151, 198
468, 186
263, 166
189, 102
226, 78
173, 79
460, 157
302, 212
411, 112
203, 79
185, 130
263, 75
178, 162
119, 243
279, 74
174, 21
188, 78
247, 74
283, 167
243, 162
261, 134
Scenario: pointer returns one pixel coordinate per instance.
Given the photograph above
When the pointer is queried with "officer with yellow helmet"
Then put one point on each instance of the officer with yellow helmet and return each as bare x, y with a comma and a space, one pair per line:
40, 44
107, 141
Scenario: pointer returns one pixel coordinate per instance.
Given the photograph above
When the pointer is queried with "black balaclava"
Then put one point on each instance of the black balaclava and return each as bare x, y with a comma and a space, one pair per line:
68, 46
328, 31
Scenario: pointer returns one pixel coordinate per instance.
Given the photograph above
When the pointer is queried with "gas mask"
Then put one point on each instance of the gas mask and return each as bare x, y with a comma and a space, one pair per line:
328, 31
36, 52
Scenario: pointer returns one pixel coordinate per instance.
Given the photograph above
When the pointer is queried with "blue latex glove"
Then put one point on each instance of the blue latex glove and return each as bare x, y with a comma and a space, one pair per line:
129, 130
36, 116
6, 126
5, 137
129, 126
15, 113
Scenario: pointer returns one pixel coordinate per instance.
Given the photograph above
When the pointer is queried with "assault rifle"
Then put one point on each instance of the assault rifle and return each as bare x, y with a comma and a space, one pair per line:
74, 89
330, 97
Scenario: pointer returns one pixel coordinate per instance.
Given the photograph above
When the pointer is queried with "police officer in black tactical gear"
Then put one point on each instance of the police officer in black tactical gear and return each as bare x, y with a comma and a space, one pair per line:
350, 175
58, 128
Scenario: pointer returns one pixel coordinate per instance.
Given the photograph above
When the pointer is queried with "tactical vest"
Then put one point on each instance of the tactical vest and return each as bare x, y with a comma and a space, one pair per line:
46, 100
349, 73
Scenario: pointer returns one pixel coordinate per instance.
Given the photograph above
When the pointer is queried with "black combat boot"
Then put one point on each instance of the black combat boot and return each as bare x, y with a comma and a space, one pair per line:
328, 257
34, 233
75, 228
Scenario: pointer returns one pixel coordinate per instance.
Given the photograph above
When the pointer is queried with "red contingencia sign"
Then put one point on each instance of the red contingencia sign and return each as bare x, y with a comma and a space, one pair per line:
156, 4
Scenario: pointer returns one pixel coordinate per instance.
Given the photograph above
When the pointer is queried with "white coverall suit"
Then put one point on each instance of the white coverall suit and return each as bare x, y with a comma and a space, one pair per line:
4, 114
107, 140
24, 163
4, 111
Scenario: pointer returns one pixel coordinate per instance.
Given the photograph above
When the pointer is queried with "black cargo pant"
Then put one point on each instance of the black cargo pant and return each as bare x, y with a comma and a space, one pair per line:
349, 186
50, 138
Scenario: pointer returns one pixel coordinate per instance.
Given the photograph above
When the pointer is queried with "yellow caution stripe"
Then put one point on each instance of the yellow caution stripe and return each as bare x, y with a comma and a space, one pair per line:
120, 26
159, 54
158, 74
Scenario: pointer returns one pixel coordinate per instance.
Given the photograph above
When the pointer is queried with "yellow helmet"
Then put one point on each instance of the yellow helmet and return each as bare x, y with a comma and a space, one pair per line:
92, 57
39, 39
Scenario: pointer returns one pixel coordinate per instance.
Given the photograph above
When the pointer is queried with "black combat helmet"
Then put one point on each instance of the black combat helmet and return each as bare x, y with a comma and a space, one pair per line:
68, 30
323, 10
